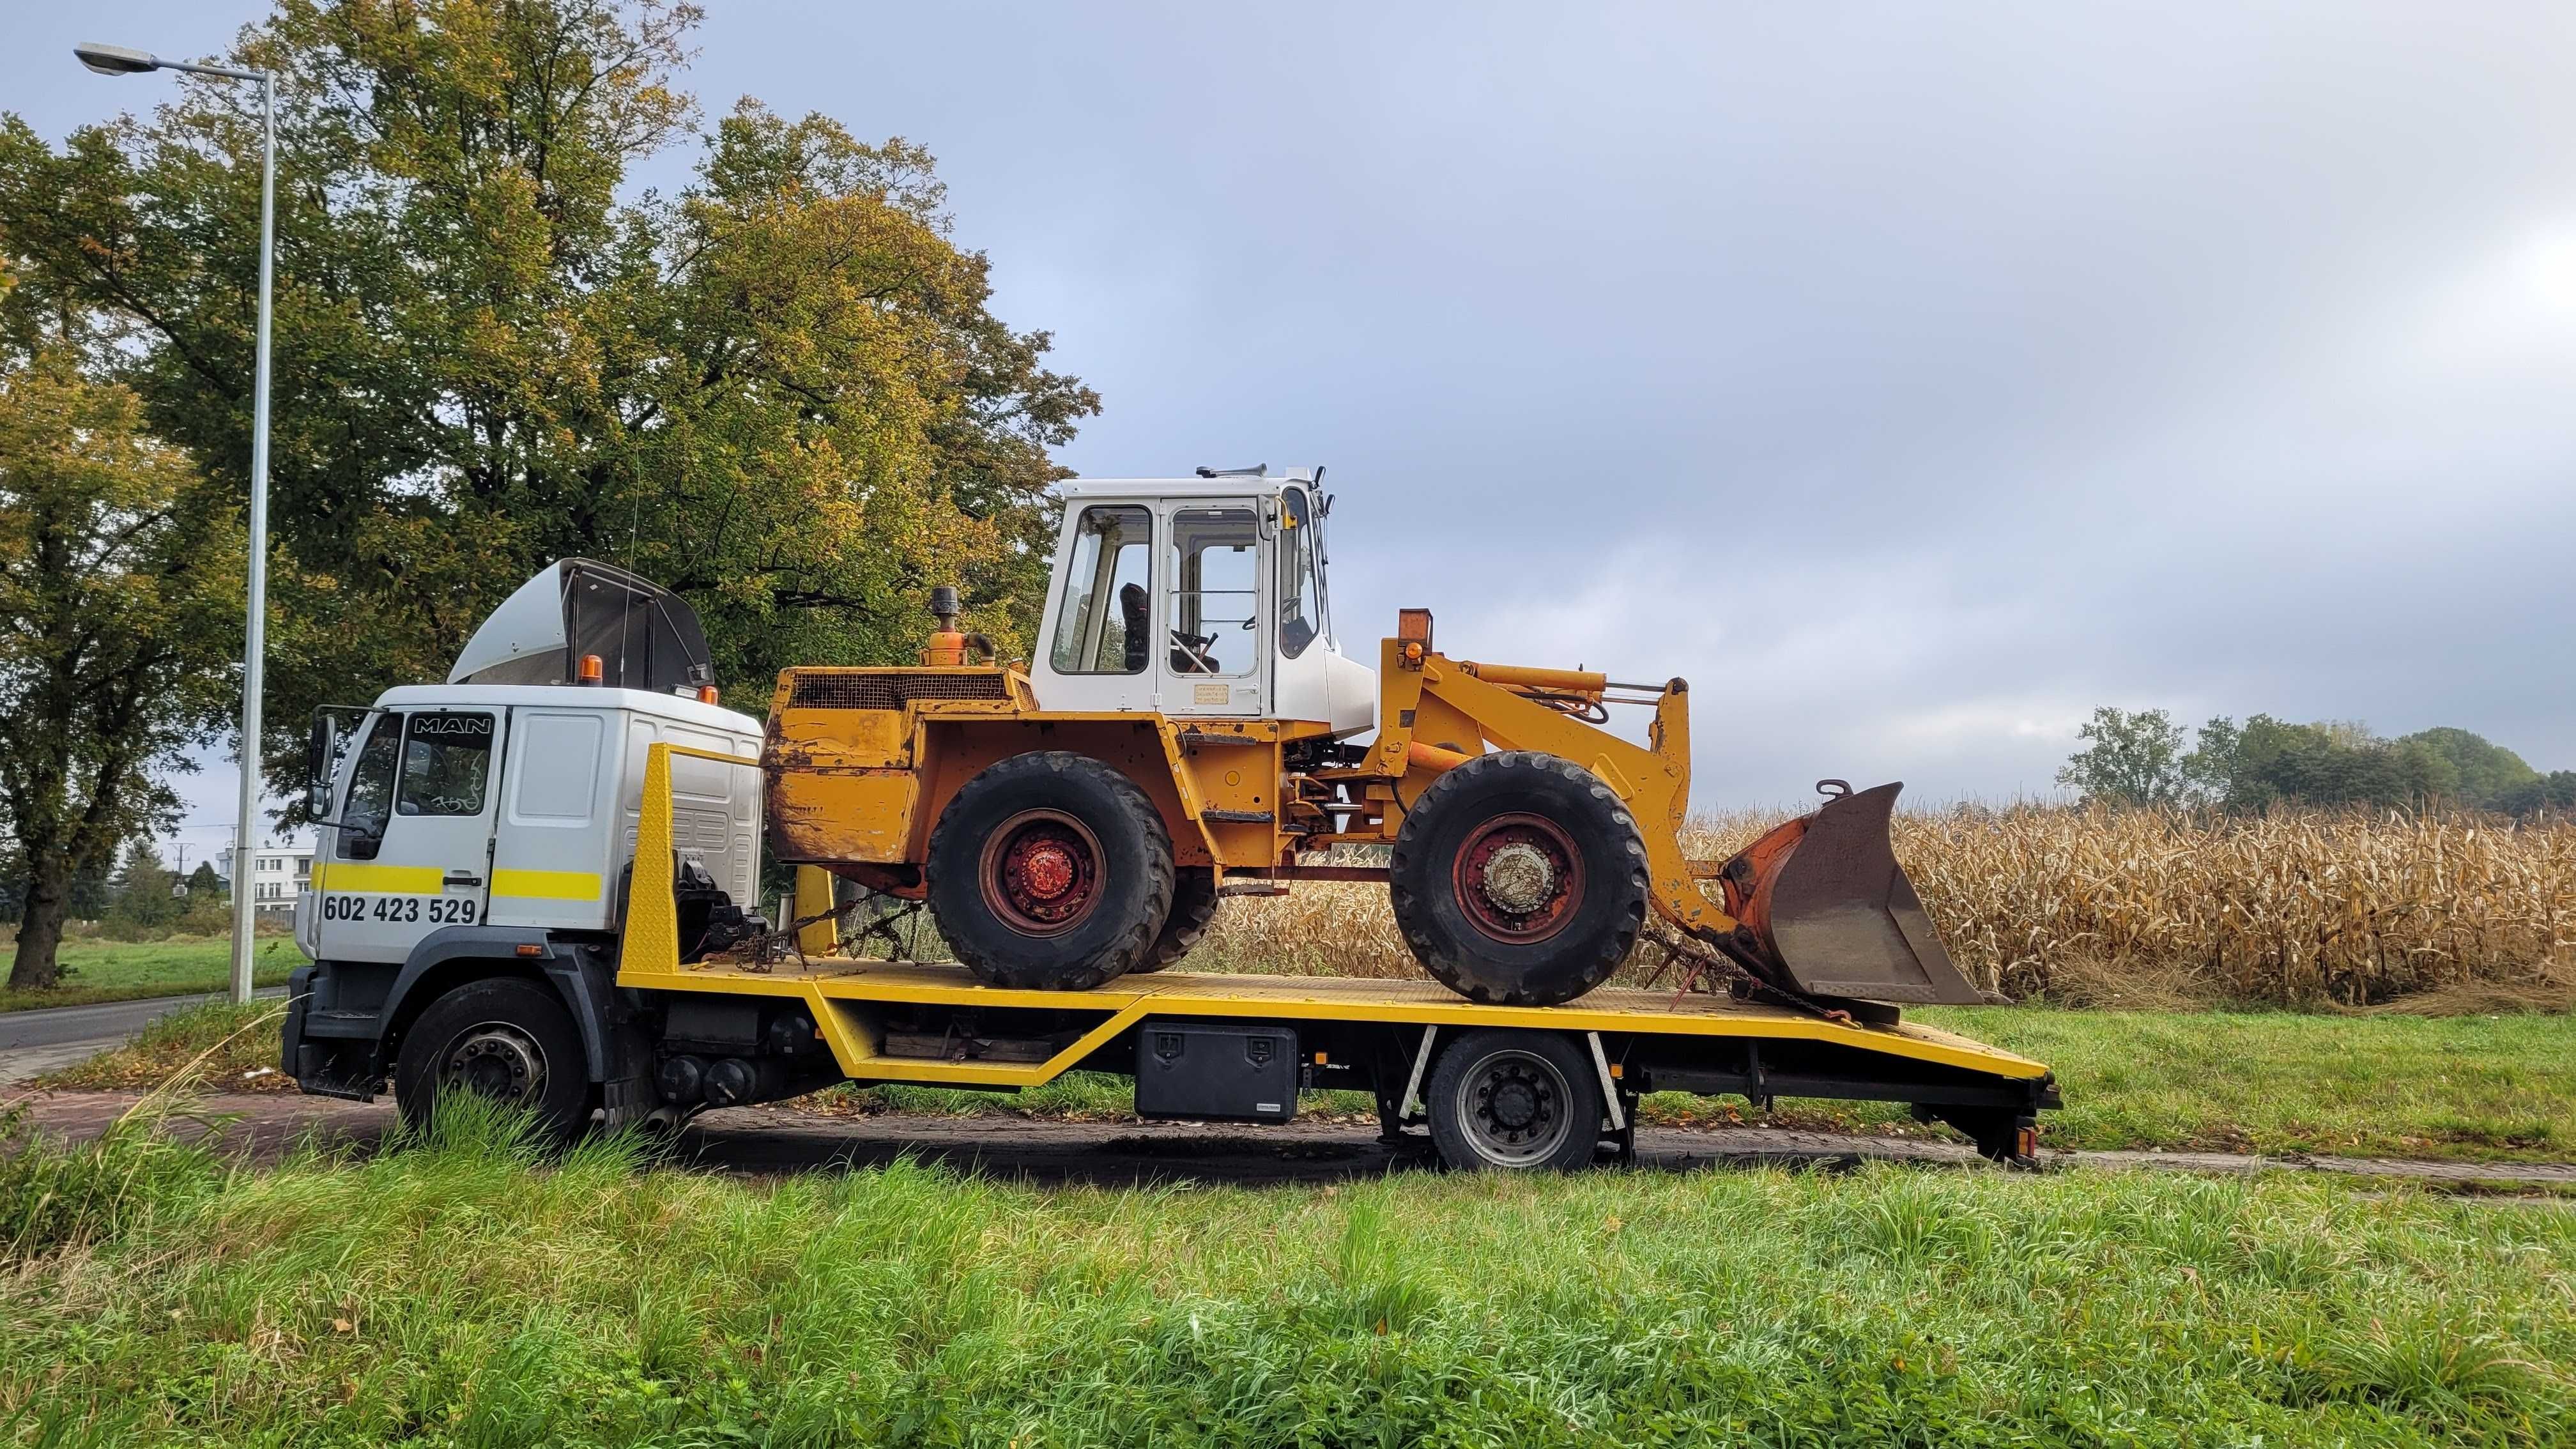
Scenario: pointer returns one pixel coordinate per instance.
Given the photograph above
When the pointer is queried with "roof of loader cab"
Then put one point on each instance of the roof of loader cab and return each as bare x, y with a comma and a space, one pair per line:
1224, 485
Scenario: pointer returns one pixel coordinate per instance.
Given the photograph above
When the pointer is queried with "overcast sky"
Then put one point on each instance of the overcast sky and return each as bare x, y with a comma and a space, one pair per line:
1911, 378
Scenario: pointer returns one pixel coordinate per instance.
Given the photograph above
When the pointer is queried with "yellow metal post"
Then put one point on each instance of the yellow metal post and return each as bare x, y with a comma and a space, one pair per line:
814, 898
652, 939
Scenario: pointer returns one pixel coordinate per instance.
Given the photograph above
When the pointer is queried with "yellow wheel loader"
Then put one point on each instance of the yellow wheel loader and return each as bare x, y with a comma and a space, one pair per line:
1186, 733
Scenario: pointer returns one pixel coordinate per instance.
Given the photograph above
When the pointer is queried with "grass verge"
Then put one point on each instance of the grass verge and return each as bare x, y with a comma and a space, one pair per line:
459, 1292
97, 971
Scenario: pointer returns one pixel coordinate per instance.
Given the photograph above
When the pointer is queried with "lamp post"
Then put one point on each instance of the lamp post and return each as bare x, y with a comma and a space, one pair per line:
119, 60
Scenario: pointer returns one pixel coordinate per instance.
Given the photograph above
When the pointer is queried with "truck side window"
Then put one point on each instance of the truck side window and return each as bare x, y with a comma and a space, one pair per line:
1100, 627
1216, 590
447, 759
371, 790
1301, 604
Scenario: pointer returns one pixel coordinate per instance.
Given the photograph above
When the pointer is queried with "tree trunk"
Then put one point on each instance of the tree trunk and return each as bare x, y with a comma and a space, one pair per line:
40, 930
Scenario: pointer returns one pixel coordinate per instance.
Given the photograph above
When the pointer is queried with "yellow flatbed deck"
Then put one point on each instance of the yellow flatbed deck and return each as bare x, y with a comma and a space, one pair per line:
848, 999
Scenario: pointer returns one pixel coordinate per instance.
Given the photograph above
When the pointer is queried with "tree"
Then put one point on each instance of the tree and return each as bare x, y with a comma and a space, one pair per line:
2488, 774
781, 390
118, 626
143, 902
2134, 758
204, 884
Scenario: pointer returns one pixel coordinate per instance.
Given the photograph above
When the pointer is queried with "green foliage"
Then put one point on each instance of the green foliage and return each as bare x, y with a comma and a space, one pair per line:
389, 1298
2555, 792
119, 573
779, 390
2132, 758
2483, 774
2138, 759
52, 1196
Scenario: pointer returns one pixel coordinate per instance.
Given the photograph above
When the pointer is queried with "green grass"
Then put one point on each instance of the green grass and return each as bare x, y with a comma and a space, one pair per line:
457, 1292
96, 970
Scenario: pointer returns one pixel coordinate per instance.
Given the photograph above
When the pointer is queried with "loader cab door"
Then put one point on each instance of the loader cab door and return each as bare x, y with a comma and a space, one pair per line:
413, 850
1216, 640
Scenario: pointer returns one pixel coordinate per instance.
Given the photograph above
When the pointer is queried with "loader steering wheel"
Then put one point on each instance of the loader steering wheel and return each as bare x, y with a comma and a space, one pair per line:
1193, 648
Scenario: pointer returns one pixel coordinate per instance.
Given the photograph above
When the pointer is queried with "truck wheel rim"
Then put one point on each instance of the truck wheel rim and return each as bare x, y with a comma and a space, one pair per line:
1519, 878
1041, 872
1512, 1105
496, 1060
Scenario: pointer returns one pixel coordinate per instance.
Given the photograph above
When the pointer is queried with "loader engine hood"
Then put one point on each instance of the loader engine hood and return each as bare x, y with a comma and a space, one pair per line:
644, 635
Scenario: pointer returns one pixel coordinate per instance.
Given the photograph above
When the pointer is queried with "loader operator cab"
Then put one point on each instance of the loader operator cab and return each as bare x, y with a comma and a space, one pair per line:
1198, 596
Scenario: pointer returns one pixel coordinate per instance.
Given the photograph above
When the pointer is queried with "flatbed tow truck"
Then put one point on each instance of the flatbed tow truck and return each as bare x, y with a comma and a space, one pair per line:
534, 883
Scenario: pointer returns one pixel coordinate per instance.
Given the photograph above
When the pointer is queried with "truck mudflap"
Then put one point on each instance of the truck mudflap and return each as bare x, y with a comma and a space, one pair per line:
1832, 911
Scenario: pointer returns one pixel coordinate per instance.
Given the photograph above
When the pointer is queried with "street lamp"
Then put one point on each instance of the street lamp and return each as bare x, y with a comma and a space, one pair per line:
119, 60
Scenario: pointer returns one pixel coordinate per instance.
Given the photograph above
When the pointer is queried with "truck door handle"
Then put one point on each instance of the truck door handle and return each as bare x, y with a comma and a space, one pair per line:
460, 878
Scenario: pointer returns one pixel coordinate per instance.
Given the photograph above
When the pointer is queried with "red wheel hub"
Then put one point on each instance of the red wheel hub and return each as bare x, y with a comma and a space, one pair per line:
1519, 878
1041, 872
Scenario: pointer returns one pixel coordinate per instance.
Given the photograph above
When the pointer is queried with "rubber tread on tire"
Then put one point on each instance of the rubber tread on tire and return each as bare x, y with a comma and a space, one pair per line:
1135, 873
1423, 889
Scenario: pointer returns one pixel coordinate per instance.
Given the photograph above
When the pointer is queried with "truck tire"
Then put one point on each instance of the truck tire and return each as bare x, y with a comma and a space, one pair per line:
1519, 879
1050, 872
502, 1037
1514, 1101
1194, 904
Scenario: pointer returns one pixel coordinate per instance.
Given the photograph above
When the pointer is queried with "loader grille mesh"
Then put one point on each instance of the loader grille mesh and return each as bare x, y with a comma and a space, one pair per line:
891, 690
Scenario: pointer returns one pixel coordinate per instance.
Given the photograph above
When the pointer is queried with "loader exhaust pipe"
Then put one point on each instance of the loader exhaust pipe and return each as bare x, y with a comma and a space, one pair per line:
1833, 912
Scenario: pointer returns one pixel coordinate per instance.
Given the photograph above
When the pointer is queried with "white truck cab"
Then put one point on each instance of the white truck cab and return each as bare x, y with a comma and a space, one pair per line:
1198, 596
494, 816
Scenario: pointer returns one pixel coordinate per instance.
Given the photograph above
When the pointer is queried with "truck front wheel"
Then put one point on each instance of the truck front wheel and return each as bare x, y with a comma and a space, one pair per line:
504, 1038
1050, 872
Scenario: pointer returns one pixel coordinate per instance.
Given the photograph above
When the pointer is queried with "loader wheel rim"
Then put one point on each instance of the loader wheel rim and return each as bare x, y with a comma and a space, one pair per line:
1041, 872
496, 1060
1519, 878
1513, 1105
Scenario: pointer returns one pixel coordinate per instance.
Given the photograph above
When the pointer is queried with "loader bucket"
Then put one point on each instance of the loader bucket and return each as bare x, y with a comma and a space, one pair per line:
1834, 911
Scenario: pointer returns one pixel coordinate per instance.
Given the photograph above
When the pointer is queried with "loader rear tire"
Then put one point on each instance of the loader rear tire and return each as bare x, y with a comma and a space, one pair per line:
1194, 902
1050, 872
1519, 879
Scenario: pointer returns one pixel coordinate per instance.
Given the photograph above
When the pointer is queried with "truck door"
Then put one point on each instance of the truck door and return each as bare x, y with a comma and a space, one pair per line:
1215, 654
414, 851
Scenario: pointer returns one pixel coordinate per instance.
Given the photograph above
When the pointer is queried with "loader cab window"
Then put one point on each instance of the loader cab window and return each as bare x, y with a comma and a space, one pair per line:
447, 761
371, 790
1103, 623
1301, 592
1216, 591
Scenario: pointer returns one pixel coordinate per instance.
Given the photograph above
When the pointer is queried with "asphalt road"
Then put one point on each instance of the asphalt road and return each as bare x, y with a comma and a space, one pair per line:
36, 1042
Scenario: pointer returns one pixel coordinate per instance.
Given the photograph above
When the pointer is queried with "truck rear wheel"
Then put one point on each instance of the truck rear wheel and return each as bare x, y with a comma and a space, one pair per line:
1050, 872
1519, 879
1194, 902
1514, 1100
504, 1038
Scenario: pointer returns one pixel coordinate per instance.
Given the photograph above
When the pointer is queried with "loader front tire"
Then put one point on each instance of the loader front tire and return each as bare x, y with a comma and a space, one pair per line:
1194, 903
1050, 872
1519, 879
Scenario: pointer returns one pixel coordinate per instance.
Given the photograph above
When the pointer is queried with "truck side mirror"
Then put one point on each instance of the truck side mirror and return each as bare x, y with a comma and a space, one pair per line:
318, 752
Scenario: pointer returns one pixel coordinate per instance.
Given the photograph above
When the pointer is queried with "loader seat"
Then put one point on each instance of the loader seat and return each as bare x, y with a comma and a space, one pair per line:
1135, 621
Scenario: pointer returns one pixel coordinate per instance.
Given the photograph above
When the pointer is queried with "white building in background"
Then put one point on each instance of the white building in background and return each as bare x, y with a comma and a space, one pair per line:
279, 875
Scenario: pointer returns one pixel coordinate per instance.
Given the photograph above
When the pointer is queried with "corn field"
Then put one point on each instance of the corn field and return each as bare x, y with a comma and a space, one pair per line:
2099, 905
